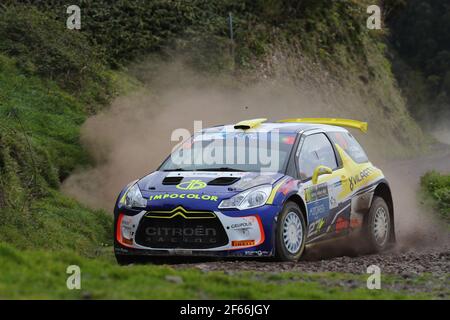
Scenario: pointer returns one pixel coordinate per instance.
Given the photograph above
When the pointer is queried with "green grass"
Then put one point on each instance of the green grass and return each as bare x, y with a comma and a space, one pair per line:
436, 188
42, 275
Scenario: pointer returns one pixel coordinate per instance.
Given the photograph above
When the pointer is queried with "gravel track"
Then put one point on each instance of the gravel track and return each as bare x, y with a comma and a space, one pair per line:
406, 264
423, 246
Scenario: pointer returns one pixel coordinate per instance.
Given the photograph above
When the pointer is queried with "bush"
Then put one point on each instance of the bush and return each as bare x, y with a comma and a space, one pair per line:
127, 29
437, 186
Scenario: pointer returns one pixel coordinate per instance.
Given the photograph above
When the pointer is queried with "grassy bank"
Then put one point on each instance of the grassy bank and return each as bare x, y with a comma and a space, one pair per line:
39, 137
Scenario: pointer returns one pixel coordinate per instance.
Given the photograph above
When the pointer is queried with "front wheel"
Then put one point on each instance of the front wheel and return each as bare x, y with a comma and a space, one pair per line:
290, 233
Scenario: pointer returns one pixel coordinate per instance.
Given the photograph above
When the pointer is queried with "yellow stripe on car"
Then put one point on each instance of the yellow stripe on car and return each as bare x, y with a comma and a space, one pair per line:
274, 191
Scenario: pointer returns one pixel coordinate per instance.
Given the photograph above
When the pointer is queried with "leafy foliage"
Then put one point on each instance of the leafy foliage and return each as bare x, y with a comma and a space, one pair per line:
127, 30
437, 186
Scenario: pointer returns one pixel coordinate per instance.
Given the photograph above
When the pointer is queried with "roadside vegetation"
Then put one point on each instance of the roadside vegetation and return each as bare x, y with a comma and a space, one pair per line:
436, 187
52, 79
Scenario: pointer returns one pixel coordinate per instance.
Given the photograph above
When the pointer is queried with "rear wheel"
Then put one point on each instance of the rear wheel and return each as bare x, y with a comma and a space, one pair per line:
378, 226
290, 233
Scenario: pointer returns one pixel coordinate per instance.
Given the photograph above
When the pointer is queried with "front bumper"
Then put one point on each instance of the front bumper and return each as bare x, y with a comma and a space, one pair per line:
247, 233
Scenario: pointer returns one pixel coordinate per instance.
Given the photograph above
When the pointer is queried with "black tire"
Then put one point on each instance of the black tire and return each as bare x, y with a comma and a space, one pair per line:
124, 260
373, 240
281, 251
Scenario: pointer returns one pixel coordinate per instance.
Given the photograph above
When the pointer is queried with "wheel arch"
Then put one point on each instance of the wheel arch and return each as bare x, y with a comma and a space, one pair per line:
295, 197
384, 191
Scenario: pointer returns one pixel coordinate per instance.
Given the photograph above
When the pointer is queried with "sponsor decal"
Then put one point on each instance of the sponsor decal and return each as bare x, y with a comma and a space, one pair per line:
333, 202
194, 196
191, 185
178, 235
337, 184
316, 192
258, 253
242, 243
334, 191
242, 225
341, 224
357, 179
318, 209
317, 201
198, 231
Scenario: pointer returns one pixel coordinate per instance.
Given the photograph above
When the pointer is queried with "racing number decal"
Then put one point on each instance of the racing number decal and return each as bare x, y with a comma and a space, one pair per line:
315, 227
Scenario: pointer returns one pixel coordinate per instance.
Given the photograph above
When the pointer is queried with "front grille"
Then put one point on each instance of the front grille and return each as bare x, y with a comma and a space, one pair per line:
180, 231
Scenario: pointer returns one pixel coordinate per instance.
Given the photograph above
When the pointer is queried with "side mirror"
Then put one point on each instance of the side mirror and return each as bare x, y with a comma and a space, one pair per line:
320, 170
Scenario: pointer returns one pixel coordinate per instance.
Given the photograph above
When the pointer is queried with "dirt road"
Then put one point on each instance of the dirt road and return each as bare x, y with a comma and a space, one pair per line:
423, 245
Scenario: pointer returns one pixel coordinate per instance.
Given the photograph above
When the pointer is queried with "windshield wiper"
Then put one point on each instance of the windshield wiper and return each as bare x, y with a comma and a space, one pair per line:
176, 169
220, 169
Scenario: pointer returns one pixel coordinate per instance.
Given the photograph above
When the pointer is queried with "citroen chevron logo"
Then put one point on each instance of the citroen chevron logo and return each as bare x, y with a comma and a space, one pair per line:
180, 211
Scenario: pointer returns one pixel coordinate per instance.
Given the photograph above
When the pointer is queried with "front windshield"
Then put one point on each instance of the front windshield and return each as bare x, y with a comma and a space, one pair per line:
232, 151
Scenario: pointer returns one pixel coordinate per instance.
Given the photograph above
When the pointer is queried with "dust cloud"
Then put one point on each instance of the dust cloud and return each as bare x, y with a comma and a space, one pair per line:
133, 136
415, 225
441, 131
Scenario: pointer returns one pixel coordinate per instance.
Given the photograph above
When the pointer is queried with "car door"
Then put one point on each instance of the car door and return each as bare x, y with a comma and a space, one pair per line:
324, 211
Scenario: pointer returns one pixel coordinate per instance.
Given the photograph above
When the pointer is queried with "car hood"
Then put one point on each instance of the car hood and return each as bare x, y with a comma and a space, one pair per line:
205, 181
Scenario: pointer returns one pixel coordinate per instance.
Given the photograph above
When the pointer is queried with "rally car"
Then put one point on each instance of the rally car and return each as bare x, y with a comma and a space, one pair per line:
257, 189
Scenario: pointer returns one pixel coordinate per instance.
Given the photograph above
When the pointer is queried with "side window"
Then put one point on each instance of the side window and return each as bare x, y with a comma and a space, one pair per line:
347, 142
316, 150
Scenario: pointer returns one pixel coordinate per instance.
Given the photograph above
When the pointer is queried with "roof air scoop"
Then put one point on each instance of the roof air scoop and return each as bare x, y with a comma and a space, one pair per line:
249, 124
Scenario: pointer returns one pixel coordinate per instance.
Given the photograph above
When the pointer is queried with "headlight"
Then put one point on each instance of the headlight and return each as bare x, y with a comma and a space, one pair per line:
251, 198
133, 198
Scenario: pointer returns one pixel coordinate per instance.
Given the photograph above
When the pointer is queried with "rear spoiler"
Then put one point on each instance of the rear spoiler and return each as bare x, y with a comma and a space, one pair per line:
332, 121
